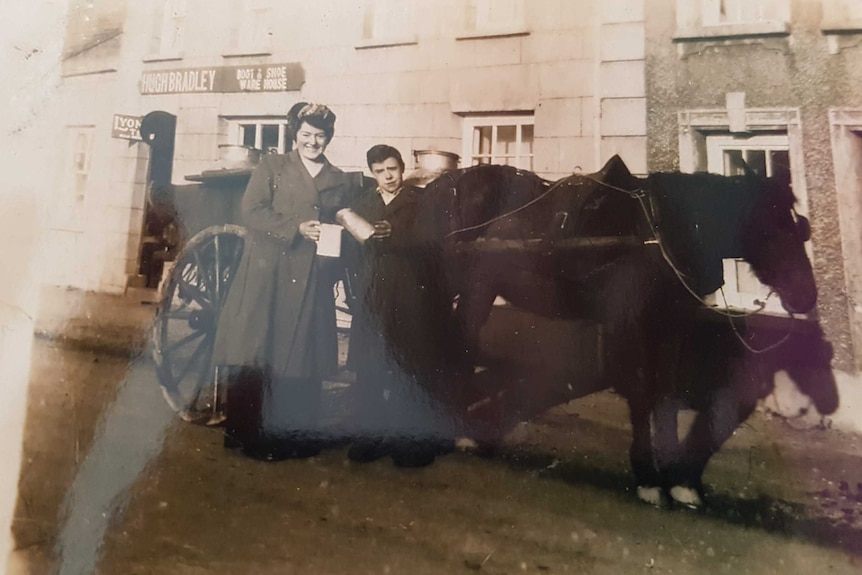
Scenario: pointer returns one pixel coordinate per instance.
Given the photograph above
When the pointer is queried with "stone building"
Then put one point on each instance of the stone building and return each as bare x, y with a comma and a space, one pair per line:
548, 85
777, 83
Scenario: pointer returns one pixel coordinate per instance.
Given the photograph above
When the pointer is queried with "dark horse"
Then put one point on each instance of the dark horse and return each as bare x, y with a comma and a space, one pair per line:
637, 256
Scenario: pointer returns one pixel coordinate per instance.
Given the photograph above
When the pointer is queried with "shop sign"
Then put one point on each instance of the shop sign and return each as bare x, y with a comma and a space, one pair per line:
223, 79
126, 127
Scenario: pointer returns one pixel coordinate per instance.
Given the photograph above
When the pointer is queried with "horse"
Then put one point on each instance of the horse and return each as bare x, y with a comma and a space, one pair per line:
637, 256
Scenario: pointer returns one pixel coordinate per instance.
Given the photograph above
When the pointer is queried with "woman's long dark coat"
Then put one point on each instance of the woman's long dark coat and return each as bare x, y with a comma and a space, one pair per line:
280, 313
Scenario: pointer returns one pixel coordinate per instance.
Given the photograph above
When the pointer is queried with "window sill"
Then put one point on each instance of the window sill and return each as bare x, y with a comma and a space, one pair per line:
733, 31
89, 72
843, 27
370, 43
247, 53
163, 57
493, 33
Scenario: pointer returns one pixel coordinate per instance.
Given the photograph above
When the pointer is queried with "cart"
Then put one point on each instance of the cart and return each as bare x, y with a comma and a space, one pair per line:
195, 285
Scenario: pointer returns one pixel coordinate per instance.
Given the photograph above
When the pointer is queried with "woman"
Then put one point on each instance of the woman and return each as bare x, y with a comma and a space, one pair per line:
276, 337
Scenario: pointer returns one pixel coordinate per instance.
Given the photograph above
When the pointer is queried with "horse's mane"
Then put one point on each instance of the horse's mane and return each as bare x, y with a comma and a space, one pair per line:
700, 218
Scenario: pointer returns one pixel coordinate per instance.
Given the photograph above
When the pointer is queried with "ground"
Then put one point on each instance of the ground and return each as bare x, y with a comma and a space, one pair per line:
158, 495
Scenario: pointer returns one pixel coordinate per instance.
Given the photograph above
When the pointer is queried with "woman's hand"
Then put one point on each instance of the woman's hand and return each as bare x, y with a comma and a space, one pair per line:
310, 230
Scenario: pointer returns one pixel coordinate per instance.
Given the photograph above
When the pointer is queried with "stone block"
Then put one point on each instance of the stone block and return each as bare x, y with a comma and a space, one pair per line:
497, 51
139, 195
444, 124
590, 116
560, 117
409, 87
576, 13
123, 170
444, 53
546, 155
434, 87
624, 117
409, 120
495, 89
622, 11
624, 41
576, 155
544, 14
552, 46
185, 147
623, 79
566, 79
208, 147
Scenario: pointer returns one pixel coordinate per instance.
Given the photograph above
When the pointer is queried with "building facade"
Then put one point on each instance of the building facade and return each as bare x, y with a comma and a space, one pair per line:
552, 86
778, 84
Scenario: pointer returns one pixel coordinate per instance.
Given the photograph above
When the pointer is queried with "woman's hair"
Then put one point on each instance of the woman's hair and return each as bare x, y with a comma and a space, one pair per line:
381, 152
293, 121
316, 115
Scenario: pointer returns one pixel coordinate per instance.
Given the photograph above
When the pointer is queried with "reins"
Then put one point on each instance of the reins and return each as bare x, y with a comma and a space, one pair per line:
639, 195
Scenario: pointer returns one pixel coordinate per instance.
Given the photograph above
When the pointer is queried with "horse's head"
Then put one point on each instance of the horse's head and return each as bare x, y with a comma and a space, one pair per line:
806, 357
773, 243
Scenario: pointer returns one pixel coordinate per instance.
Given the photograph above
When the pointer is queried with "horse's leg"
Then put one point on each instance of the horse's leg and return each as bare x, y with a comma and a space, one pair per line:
641, 453
475, 302
709, 431
665, 440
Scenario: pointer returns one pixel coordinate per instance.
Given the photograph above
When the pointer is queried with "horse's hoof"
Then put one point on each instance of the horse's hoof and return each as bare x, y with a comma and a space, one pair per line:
652, 495
687, 496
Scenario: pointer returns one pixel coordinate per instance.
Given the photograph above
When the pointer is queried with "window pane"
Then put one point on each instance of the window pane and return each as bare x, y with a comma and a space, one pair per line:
734, 11
269, 137
248, 132
507, 144
527, 137
482, 140
780, 163
746, 281
733, 165
756, 161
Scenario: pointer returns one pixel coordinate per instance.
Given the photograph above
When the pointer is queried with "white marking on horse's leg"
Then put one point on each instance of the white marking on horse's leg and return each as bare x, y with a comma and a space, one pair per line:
479, 368
466, 444
686, 496
651, 495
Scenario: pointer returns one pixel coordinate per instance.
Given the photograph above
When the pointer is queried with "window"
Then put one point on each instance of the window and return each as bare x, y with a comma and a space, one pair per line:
79, 146
169, 27
495, 17
267, 134
499, 140
253, 32
846, 131
387, 23
83, 141
718, 12
704, 20
767, 155
841, 24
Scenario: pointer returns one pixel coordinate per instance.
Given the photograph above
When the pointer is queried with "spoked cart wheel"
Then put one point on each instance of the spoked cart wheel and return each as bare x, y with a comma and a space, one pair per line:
185, 328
